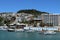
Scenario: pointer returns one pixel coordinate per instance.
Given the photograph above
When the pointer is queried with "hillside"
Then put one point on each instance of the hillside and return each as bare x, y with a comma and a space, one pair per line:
32, 11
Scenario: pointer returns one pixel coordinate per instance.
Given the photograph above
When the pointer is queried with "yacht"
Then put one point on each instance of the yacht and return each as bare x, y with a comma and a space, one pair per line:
49, 32
19, 30
10, 30
29, 30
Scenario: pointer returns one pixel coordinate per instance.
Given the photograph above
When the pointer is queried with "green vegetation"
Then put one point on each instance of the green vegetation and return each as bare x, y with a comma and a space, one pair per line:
32, 11
49, 24
7, 21
46, 24
42, 24
26, 22
1, 21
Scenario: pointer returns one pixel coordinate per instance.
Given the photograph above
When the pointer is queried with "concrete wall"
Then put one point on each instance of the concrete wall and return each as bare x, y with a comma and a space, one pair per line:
51, 19
59, 20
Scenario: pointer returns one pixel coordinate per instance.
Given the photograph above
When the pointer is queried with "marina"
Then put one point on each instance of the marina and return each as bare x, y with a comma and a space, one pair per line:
29, 19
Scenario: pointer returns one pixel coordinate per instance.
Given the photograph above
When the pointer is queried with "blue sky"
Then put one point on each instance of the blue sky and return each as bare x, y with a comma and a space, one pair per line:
51, 6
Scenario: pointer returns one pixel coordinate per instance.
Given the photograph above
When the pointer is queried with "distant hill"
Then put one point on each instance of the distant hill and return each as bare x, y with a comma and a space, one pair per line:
32, 11
5, 12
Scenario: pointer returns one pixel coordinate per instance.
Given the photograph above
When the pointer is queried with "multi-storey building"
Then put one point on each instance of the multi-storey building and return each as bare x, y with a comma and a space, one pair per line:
51, 18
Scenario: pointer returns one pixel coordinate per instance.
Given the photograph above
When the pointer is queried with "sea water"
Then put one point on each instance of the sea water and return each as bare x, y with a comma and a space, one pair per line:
5, 35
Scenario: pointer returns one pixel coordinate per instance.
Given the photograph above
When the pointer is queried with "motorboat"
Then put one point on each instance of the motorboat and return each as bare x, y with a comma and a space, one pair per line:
29, 30
19, 30
49, 32
10, 30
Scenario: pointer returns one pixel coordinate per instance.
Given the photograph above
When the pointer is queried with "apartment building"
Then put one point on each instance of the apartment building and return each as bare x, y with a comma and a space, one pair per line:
51, 18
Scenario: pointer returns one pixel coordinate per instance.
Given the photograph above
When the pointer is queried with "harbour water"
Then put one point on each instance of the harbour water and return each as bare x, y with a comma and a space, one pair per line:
5, 35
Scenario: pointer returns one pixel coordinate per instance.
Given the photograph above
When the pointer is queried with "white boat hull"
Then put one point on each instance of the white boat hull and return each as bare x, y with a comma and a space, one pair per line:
49, 32
19, 30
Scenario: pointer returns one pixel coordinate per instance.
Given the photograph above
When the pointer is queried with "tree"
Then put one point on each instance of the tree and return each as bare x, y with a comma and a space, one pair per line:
1, 21
42, 24
13, 18
49, 24
7, 21
31, 11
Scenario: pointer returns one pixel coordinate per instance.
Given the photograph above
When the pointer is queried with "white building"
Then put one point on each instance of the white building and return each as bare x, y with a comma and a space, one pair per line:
51, 18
